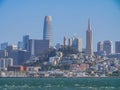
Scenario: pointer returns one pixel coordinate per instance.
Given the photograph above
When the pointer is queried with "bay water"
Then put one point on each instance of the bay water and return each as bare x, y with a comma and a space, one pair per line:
60, 83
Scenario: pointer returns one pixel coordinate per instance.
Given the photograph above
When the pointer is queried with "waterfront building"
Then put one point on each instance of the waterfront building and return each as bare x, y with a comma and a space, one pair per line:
25, 42
36, 47
17, 68
89, 41
4, 45
47, 31
34, 69
79, 67
108, 47
117, 47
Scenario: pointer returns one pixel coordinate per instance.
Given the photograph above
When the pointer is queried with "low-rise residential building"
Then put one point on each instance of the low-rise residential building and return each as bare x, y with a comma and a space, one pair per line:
79, 67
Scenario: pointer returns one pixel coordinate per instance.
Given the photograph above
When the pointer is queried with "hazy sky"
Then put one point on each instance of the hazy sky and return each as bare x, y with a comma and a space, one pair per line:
69, 17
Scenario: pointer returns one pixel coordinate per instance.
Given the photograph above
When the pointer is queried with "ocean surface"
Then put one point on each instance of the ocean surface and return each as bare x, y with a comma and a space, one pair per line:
59, 83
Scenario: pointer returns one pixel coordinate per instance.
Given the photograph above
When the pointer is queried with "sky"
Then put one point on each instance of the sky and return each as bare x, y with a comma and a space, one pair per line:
69, 18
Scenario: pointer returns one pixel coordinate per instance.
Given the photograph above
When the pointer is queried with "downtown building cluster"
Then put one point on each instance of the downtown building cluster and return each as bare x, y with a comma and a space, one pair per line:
40, 58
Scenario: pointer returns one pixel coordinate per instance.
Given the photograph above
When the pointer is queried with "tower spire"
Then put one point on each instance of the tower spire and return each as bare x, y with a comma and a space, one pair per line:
89, 43
89, 26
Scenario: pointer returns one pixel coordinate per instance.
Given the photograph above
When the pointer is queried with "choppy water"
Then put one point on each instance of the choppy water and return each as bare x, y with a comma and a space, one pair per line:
59, 83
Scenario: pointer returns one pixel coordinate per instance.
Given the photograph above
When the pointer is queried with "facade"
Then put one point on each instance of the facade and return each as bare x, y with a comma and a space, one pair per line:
17, 68
70, 40
25, 42
20, 45
64, 42
47, 31
77, 44
89, 42
108, 47
22, 56
117, 47
5, 62
100, 50
4, 45
100, 47
79, 67
9, 62
58, 46
19, 56
2, 63
3, 53
36, 47
11, 47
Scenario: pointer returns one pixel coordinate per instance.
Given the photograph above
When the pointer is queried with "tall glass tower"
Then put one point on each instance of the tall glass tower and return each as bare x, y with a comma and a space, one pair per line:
47, 31
25, 42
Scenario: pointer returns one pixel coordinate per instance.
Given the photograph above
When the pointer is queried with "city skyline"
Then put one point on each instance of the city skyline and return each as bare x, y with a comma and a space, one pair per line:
24, 17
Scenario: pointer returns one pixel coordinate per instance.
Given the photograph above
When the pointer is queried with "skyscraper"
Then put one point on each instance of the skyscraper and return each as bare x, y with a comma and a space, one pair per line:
70, 40
89, 43
117, 47
47, 31
20, 45
25, 42
64, 42
37, 47
100, 46
108, 47
100, 50
4, 45
77, 44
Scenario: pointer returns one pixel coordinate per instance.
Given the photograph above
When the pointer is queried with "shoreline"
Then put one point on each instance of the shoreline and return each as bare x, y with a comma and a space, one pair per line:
62, 77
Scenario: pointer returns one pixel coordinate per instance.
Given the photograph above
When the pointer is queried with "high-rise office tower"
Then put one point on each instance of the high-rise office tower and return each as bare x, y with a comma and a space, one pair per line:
108, 47
89, 42
4, 45
64, 42
117, 47
100, 50
19, 56
20, 45
3, 53
47, 31
77, 44
100, 46
70, 40
25, 42
37, 47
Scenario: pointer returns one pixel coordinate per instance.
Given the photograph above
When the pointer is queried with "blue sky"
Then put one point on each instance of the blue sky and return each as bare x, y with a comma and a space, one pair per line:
22, 17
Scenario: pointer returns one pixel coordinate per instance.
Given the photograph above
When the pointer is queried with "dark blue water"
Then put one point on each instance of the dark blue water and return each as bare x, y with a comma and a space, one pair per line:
59, 83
